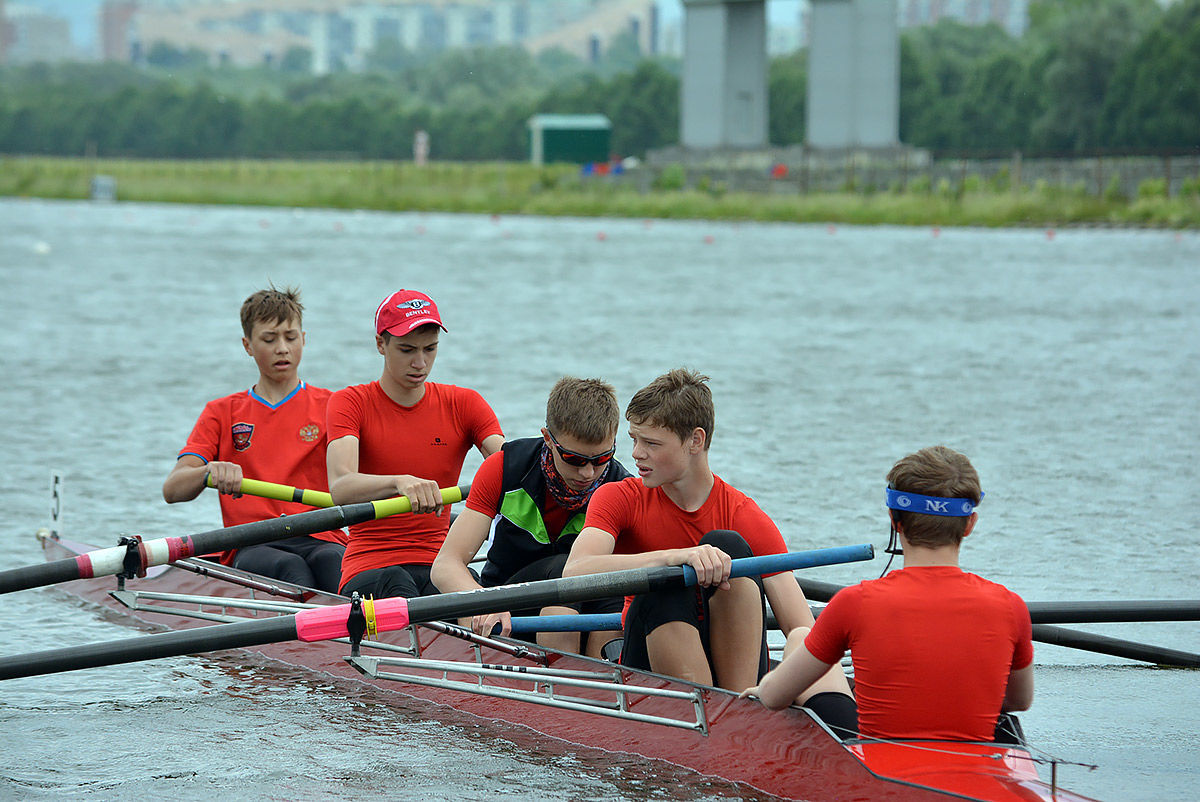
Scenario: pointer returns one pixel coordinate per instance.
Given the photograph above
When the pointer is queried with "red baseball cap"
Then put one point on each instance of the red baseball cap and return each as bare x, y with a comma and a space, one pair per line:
405, 310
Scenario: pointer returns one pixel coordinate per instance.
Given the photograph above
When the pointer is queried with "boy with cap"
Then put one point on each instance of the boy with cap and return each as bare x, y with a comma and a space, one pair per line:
402, 436
938, 652
533, 494
677, 512
275, 431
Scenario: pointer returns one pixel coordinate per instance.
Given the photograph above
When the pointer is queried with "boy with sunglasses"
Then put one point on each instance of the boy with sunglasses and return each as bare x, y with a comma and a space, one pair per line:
677, 512
402, 436
534, 494
918, 634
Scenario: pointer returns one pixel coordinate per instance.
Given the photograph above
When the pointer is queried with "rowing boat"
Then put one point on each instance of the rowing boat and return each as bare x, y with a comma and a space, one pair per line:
592, 704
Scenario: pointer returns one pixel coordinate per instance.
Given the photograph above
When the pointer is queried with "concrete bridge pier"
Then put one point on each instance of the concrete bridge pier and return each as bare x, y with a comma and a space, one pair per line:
723, 101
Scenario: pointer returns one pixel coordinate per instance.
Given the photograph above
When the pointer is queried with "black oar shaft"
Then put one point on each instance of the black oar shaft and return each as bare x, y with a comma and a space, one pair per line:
150, 647
1058, 612
1057, 636
1098, 612
545, 593
107, 562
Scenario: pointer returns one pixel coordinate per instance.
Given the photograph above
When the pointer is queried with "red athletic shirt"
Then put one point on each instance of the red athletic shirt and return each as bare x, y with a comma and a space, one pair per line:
932, 650
486, 496
429, 439
644, 519
284, 443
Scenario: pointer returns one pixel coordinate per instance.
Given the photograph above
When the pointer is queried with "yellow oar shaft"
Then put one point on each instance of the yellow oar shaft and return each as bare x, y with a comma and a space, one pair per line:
255, 487
399, 504
316, 498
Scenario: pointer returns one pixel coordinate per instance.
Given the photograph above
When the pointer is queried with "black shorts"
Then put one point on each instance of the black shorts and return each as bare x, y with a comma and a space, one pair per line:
649, 611
837, 710
406, 581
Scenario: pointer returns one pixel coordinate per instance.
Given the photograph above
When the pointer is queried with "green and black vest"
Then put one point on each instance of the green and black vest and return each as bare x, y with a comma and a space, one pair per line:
520, 536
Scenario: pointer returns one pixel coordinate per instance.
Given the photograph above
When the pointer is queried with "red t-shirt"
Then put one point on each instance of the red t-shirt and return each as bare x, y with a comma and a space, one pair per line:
932, 649
429, 439
644, 519
486, 496
282, 443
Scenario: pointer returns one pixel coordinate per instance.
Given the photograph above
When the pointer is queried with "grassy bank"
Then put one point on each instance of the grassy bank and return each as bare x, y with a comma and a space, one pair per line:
512, 188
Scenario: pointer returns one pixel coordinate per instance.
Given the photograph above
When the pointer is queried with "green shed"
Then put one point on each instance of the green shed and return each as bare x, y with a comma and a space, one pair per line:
574, 138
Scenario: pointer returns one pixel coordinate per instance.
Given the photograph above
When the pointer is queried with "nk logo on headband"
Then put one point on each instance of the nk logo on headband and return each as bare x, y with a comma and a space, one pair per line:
929, 505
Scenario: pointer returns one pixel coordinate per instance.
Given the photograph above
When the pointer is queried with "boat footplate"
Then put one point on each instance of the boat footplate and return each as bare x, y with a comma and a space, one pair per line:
549, 687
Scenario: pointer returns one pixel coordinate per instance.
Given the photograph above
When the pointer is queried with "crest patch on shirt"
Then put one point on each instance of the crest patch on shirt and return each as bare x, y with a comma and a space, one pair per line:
310, 433
242, 432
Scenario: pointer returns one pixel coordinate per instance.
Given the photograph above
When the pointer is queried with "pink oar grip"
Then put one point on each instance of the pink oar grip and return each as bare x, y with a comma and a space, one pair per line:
326, 623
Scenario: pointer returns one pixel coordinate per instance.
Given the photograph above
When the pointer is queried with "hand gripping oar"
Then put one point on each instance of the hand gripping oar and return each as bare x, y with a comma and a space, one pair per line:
256, 487
143, 554
1042, 613
324, 623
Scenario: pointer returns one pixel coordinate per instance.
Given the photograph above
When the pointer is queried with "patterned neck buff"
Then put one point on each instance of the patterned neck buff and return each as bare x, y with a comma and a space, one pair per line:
559, 490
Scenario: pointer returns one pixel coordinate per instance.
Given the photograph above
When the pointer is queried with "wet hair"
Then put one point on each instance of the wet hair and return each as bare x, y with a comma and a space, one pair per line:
679, 401
271, 306
935, 471
585, 409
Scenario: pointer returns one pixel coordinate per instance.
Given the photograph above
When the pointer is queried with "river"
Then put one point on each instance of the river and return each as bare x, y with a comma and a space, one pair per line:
1065, 364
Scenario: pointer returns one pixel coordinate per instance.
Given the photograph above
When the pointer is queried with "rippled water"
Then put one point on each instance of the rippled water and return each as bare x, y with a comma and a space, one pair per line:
1067, 367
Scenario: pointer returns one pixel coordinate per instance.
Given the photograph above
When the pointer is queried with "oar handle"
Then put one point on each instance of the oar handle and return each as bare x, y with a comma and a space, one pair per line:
316, 498
257, 487
401, 504
791, 561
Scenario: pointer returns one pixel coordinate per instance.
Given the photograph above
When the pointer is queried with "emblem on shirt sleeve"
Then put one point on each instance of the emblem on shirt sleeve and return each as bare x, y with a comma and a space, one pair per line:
310, 433
242, 432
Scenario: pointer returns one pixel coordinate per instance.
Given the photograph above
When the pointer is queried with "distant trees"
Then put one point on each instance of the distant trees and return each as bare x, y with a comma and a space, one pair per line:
1089, 74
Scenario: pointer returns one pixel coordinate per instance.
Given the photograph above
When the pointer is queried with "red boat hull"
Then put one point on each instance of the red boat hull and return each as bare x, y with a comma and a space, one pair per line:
786, 754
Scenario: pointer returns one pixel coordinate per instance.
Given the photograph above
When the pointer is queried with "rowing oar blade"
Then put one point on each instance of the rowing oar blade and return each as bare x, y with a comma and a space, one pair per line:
325, 623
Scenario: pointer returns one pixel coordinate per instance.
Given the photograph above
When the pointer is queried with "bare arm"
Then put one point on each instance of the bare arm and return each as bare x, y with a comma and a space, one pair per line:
451, 568
348, 486
491, 444
1019, 695
186, 479
780, 687
592, 553
787, 602
468, 532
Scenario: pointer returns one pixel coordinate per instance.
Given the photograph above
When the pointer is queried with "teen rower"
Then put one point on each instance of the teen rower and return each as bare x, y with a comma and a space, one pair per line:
402, 436
937, 652
677, 512
274, 431
536, 491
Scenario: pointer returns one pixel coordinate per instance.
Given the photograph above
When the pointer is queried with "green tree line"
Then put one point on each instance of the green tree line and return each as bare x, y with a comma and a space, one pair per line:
1087, 75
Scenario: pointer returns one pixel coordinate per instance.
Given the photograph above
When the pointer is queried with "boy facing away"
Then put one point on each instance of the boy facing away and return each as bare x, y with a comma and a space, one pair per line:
275, 431
938, 652
402, 436
677, 512
536, 491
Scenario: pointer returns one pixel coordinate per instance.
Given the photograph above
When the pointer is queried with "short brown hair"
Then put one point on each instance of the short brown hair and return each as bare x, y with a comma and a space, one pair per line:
583, 408
935, 471
679, 401
271, 306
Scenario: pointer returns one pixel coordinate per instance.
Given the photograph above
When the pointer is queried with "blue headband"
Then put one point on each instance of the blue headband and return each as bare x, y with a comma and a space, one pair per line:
930, 505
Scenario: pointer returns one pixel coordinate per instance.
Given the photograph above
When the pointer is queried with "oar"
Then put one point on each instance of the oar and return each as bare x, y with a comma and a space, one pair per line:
324, 623
143, 554
1084, 612
592, 622
256, 487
